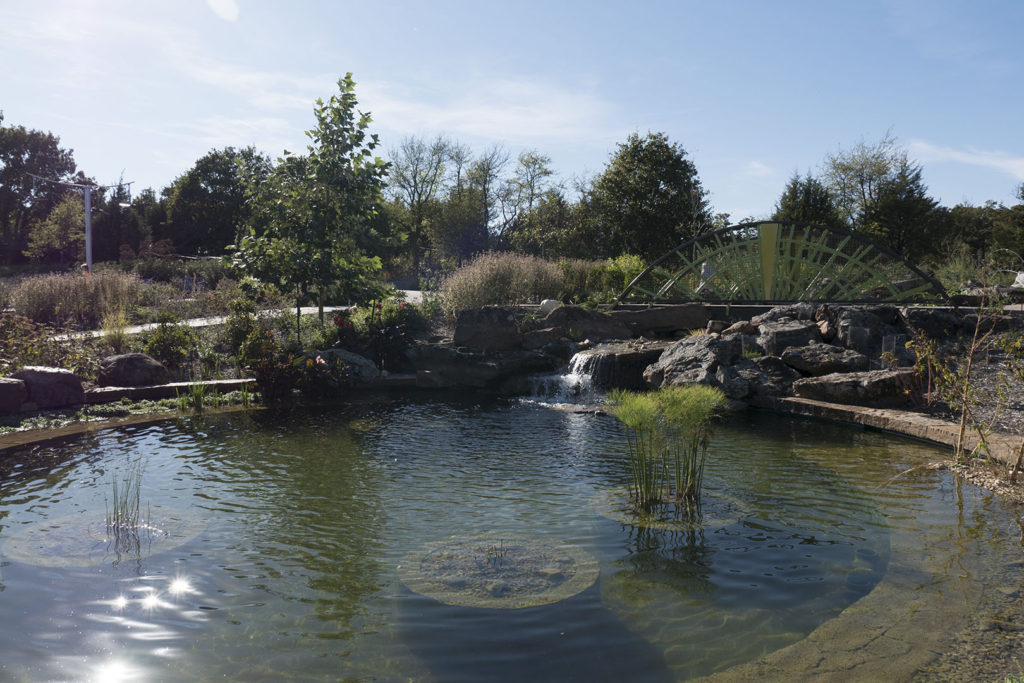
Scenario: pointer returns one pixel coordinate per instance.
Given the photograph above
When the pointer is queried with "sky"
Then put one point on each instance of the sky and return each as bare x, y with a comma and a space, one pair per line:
753, 90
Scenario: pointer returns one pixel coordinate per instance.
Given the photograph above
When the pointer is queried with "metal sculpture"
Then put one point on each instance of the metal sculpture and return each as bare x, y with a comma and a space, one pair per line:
782, 262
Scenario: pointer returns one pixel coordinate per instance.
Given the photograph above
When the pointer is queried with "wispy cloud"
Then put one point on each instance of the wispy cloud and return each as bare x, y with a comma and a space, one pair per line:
758, 169
257, 88
225, 9
1004, 162
515, 111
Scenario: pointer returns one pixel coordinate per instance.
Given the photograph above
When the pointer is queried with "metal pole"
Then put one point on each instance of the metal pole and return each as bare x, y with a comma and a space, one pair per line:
88, 229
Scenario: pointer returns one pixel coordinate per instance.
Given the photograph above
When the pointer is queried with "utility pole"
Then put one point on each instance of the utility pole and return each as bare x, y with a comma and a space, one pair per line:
87, 194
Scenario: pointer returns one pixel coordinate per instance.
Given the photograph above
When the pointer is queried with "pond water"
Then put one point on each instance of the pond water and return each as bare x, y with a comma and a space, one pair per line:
474, 539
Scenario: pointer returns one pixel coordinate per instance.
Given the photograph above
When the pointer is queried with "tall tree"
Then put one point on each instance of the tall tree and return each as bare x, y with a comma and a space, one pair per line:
806, 200
60, 237
22, 199
207, 204
903, 216
855, 177
312, 227
522, 191
416, 181
648, 199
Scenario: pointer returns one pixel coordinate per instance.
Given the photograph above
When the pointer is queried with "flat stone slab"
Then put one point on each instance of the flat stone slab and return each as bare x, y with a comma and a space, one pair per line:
943, 432
155, 392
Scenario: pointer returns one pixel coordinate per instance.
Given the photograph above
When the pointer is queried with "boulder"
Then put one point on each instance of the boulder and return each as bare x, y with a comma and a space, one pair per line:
490, 327
538, 339
363, 369
694, 360
619, 366
582, 323
776, 337
12, 394
936, 323
664, 320
744, 327
861, 328
800, 311
131, 370
51, 387
875, 388
717, 326
442, 365
765, 376
824, 359
548, 305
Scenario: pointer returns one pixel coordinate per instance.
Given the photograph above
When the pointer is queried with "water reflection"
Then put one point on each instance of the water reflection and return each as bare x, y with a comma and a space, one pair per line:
306, 519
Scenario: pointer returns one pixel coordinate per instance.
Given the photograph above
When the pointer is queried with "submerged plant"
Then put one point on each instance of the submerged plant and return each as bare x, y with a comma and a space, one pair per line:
668, 433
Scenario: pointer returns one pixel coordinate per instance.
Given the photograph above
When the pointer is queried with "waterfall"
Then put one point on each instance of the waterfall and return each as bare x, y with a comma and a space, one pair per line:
575, 387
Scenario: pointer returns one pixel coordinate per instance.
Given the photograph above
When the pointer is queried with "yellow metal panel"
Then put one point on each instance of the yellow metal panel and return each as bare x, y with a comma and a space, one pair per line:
769, 238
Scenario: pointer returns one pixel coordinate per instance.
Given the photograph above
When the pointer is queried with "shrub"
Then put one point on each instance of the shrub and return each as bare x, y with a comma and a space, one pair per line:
76, 300
511, 279
25, 342
240, 324
503, 279
171, 343
115, 334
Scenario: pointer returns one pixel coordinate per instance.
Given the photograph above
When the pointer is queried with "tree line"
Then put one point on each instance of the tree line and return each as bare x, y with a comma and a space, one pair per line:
428, 205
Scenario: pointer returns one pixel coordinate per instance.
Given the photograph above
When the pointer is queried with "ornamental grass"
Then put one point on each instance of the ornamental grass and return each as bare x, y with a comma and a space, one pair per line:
668, 432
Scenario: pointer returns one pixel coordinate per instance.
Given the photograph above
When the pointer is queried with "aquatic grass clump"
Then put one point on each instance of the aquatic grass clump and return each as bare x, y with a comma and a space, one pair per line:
668, 432
123, 517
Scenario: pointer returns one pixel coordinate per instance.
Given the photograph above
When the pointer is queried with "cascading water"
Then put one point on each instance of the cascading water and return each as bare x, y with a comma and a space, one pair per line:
575, 386
594, 371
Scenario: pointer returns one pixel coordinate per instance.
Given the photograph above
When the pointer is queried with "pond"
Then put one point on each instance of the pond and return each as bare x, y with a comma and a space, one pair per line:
469, 538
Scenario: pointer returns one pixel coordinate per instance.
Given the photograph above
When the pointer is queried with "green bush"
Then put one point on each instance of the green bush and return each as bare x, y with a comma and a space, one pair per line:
25, 342
171, 343
74, 299
240, 324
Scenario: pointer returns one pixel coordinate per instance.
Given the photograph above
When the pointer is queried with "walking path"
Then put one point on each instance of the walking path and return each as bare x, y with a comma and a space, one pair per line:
411, 296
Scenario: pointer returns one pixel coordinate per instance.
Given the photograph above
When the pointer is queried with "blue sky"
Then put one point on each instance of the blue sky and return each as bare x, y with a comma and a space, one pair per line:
753, 90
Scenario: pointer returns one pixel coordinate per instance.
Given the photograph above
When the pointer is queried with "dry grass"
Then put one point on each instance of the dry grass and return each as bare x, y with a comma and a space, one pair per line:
75, 300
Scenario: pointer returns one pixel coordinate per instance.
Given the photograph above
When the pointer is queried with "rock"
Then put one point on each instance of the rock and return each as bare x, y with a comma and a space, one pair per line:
735, 382
744, 327
694, 360
621, 366
580, 323
548, 305
717, 326
824, 359
51, 387
800, 311
664, 320
864, 329
933, 322
131, 370
774, 377
13, 393
875, 388
997, 323
442, 365
538, 339
363, 369
776, 337
490, 327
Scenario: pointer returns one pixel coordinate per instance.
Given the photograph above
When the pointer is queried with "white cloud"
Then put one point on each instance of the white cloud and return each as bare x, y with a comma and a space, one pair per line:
758, 169
508, 110
1001, 161
225, 9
